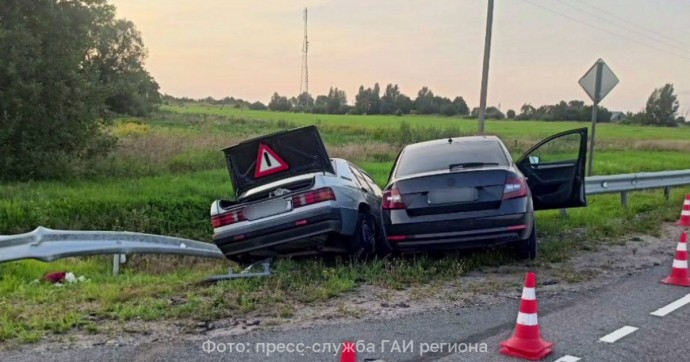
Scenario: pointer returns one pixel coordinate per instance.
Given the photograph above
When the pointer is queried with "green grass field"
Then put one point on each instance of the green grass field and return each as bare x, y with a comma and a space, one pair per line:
168, 170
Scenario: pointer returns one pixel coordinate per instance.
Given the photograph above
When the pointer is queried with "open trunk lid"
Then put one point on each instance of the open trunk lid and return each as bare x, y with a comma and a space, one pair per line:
277, 156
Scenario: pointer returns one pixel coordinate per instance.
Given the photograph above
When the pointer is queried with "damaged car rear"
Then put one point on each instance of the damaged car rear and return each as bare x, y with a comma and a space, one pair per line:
293, 200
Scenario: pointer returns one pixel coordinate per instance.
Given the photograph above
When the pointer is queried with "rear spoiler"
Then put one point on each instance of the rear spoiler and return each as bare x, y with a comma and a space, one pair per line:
277, 156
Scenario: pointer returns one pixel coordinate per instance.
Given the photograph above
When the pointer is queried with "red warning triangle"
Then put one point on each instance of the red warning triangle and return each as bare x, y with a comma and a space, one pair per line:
268, 162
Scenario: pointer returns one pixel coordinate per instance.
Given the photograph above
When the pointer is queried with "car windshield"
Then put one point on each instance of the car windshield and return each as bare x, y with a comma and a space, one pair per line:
437, 157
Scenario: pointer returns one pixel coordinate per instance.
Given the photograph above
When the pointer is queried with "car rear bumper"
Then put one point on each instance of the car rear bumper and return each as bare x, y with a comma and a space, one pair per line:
459, 233
299, 227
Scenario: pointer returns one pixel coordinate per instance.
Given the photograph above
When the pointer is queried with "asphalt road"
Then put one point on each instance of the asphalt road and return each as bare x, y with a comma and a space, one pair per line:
574, 322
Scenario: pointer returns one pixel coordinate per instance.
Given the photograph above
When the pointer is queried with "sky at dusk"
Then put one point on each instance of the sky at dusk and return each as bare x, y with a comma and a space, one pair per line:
249, 49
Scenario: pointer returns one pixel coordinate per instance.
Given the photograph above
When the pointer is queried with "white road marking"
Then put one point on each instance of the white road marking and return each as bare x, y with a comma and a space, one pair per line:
618, 334
663, 311
568, 358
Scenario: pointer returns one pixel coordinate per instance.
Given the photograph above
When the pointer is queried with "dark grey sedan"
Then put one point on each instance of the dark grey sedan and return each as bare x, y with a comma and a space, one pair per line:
467, 192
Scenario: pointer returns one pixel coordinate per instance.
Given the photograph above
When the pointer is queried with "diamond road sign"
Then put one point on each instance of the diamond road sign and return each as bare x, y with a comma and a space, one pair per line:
607, 81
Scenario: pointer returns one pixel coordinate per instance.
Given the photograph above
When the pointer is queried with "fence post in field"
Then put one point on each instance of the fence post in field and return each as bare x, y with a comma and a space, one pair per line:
667, 193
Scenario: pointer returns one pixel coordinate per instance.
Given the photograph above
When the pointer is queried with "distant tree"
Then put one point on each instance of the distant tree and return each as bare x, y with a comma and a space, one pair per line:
510, 114
119, 56
390, 99
305, 100
526, 112
279, 103
403, 104
494, 113
424, 103
662, 107
258, 106
367, 101
448, 110
336, 102
461, 107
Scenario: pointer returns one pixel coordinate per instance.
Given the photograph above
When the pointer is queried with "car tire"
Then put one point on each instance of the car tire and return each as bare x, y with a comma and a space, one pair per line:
527, 249
363, 242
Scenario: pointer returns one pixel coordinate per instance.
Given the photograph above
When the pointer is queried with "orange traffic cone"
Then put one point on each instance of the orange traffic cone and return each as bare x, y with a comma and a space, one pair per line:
526, 342
679, 272
349, 352
685, 213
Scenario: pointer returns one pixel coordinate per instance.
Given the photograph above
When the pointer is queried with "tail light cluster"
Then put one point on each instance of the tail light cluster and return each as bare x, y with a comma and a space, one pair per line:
515, 187
228, 218
392, 199
313, 197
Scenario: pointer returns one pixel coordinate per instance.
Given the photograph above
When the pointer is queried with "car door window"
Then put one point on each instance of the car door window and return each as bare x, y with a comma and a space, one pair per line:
360, 179
562, 149
372, 184
555, 170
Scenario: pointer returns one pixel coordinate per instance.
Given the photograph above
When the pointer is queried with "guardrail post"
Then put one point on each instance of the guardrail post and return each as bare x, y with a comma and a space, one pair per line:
667, 193
116, 264
624, 198
118, 260
564, 213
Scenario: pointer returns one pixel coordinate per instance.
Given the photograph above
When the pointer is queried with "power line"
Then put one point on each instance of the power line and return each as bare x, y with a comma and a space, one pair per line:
630, 29
639, 26
605, 30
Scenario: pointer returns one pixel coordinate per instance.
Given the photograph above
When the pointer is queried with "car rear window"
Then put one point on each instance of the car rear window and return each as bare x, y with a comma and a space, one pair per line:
436, 157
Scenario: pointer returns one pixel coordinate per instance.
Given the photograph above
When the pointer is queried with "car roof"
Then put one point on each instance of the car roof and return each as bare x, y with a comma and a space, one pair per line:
444, 141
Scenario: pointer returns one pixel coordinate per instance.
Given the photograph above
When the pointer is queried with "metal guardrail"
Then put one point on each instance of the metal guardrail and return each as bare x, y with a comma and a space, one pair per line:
626, 183
48, 245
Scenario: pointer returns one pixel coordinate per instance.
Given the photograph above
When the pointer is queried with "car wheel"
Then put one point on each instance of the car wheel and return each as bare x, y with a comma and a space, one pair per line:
527, 249
363, 243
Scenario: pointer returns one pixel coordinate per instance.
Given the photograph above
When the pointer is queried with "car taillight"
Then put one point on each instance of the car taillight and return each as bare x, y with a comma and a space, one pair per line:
515, 187
313, 197
392, 200
228, 218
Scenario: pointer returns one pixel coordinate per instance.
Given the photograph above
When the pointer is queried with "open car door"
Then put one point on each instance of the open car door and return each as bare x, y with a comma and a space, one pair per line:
555, 170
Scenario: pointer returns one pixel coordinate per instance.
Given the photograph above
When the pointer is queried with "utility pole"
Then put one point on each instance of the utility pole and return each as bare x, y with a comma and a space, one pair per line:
304, 78
485, 67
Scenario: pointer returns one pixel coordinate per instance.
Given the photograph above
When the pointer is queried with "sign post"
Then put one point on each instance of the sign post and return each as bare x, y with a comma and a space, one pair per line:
597, 82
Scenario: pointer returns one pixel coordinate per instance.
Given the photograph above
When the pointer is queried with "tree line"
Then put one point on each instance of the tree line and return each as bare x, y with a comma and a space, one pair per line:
661, 108
67, 67
369, 101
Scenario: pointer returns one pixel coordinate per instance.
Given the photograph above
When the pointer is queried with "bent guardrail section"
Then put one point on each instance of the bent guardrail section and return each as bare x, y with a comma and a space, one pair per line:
48, 245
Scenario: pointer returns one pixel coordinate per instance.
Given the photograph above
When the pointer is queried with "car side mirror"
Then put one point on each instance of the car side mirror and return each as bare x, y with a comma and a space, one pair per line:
534, 160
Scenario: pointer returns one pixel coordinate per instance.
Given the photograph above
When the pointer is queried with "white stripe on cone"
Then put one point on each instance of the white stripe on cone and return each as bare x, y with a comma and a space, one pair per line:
529, 294
527, 319
680, 264
685, 213
682, 247
686, 202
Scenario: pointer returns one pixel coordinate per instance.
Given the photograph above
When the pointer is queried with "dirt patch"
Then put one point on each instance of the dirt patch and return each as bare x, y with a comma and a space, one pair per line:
490, 285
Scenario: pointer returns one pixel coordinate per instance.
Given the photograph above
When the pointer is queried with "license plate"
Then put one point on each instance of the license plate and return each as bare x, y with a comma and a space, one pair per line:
267, 208
450, 196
